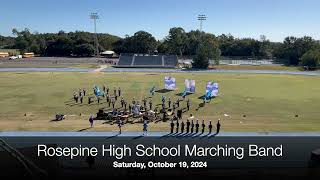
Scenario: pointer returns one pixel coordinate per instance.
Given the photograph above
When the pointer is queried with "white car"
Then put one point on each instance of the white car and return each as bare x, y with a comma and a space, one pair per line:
13, 57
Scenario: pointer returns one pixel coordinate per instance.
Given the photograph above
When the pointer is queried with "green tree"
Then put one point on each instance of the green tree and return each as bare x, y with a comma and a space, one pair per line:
293, 48
63, 46
23, 40
176, 40
225, 42
120, 46
311, 59
207, 50
83, 50
193, 41
6, 42
163, 47
106, 41
265, 48
142, 42
61, 43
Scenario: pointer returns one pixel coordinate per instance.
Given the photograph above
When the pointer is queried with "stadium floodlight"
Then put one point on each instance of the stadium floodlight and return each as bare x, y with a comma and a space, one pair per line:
201, 18
95, 16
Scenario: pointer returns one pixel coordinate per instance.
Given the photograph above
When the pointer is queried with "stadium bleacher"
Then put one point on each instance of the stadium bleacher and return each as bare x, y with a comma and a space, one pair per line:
152, 61
125, 61
170, 60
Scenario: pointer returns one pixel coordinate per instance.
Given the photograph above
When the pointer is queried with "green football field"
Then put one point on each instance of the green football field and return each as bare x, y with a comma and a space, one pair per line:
247, 102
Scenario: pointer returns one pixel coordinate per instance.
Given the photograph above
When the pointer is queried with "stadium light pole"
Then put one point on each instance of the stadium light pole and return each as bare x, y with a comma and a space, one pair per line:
95, 16
201, 18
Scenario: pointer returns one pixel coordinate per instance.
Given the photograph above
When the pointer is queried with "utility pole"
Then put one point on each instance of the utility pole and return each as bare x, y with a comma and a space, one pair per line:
95, 16
201, 18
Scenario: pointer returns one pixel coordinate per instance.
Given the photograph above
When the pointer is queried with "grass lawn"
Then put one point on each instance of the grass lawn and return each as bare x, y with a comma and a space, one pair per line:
270, 102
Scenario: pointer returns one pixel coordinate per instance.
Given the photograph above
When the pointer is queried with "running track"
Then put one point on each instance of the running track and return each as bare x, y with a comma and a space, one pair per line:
307, 73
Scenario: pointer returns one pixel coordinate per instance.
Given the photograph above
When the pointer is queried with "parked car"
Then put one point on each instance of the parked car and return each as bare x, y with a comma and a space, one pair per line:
13, 57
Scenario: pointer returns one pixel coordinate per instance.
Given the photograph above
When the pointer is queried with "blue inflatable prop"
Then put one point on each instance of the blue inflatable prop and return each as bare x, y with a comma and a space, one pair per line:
184, 93
208, 94
97, 91
152, 90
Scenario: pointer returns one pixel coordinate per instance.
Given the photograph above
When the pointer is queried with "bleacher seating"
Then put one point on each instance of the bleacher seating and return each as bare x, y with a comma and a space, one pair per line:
170, 60
125, 61
148, 60
155, 61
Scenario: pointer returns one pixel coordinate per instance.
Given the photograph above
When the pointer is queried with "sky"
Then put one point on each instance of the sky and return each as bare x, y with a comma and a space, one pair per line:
276, 19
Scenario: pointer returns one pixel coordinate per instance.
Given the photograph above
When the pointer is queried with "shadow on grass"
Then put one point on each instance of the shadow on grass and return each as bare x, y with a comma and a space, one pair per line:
200, 106
180, 94
163, 91
111, 122
54, 120
84, 129
116, 135
84, 104
138, 137
202, 97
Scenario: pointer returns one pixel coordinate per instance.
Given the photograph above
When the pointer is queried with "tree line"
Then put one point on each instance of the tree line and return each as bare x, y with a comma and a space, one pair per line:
60, 44
200, 46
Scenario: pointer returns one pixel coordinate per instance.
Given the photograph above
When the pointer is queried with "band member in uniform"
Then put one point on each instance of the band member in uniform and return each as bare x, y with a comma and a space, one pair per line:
203, 126
197, 126
188, 104
218, 127
192, 126
188, 125
182, 127
210, 127
119, 92
177, 126
172, 126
